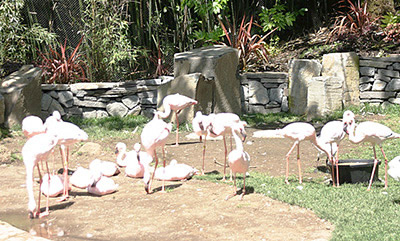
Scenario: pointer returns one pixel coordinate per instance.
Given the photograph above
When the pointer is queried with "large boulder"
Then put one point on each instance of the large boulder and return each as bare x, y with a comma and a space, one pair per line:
325, 94
217, 64
22, 94
300, 72
346, 67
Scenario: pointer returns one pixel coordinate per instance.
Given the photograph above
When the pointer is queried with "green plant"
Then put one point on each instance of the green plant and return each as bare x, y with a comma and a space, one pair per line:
354, 21
18, 41
252, 47
278, 17
60, 68
109, 53
390, 18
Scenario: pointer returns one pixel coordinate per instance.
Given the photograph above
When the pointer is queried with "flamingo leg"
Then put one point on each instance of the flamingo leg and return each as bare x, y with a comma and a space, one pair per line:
386, 164
332, 160
287, 161
46, 213
65, 173
204, 154
373, 169
148, 186
337, 166
299, 163
163, 181
234, 189
244, 186
37, 214
226, 152
177, 129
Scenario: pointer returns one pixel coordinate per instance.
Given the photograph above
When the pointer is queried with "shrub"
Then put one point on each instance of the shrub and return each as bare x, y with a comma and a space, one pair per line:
58, 68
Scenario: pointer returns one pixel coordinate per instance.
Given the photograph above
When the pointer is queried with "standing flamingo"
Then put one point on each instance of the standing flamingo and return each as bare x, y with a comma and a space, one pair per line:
238, 159
154, 135
298, 132
332, 133
221, 126
200, 123
176, 103
375, 134
32, 125
68, 134
36, 149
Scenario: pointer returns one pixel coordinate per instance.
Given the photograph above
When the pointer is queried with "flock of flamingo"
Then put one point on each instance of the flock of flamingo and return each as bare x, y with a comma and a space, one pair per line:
42, 138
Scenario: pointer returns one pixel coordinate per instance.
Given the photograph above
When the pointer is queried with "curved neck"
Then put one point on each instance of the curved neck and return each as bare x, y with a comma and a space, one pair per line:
167, 111
352, 137
238, 141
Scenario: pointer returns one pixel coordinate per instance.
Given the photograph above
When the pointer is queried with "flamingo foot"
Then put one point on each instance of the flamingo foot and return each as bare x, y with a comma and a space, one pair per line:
241, 195
33, 215
44, 214
63, 198
202, 173
287, 182
230, 196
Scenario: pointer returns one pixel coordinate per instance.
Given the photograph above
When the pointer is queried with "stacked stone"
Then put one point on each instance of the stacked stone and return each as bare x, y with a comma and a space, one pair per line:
380, 80
264, 92
96, 100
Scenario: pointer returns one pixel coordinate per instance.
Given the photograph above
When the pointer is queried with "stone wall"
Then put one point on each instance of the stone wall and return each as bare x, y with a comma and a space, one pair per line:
94, 100
264, 92
380, 80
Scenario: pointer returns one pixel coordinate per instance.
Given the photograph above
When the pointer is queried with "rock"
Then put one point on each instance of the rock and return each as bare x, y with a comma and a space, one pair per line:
46, 101
219, 65
135, 111
276, 94
389, 73
346, 67
394, 85
131, 101
257, 93
56, 106
364, 80
117, 109
379, 85
22, 94
300, 72
374, 63
325, 95
65, 98
384, 95
367, 71
101, 114
89, 114
365, 87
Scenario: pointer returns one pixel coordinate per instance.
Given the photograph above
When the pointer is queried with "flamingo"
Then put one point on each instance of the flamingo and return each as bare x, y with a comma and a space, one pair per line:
154, 134
83, 177
32, 125
394, 168
375, 134
175, 172
68, 134
103, 186
123, 156
200, 123
298, 132
332, 133
139, 162
36, 149
238, 159
54, 187
221, 126
176, 103
105, 168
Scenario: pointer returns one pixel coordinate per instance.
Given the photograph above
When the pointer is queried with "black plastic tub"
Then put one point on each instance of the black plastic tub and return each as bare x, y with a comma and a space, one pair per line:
356, 171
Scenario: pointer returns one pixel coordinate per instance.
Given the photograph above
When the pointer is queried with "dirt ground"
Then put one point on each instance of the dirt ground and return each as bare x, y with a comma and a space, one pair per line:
191, 210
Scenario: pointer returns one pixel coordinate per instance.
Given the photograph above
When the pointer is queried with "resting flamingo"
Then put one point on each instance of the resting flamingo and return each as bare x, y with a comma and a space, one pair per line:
176, 103
221, 126
32, 125
154, 135
375, 134
138, 163
238, 159
36, 149
332, 133
298, 132
68, 134
200, 123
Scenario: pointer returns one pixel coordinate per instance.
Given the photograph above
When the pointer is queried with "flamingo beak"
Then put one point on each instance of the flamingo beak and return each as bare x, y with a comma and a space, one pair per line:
146, 188
116, 151
345, 128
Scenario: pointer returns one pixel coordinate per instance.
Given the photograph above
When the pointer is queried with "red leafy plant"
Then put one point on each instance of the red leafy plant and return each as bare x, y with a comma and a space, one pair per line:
58, 68
252, 47
392, 33
354, 21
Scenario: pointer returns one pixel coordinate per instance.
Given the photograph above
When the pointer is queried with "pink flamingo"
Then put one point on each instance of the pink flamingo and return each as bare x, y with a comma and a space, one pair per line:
137, 165
155, 135
103, 186
332, 133
83, 177
175, 172
298, 132
176, 103
375, 134
221, 126
200, 123
68, 134
54, 187
36, 149
32, 125
238, 159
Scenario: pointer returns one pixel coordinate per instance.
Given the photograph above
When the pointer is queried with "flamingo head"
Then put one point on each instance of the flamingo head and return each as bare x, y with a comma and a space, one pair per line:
348, 120
120, 147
